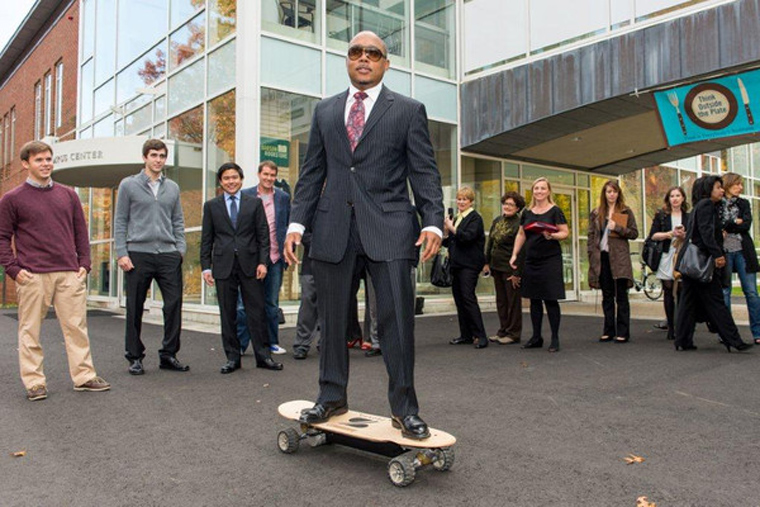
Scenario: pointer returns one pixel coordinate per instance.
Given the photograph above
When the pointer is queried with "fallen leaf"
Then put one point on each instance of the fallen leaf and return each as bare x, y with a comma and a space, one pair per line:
258, 401
523, 364
18, 454
643, 501
632, 458
266, 385
212, 349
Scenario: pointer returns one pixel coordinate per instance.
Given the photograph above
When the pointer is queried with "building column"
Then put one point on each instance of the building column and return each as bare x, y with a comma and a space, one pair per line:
248, 95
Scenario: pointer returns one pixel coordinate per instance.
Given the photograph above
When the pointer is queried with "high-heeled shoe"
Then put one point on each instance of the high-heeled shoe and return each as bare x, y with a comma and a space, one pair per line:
621, 339
741, 346
534, 343
685, 347
554, 345
605, 338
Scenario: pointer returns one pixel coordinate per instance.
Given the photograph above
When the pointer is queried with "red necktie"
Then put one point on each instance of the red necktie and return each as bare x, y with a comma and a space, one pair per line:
355, 123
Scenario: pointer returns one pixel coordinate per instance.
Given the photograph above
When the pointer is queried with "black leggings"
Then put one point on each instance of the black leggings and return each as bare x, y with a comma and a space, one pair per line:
537, 314
670, 305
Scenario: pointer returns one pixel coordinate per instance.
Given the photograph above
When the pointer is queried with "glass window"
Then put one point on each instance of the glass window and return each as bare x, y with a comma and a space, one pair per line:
435, 38
687, 183
398, 81
183, 9
222, 19
186, 87
289, 66
221, 69
188, 41
148, 69
104, 128
191, 269
88, 28
755, 154
137, 121
646, 9
444, 139
484, 177
346, 18
141, 24
552, 22
532, 172
336, 75
159, 109
294, 18
220, 147
102, 207
104, 98
38, 110
657, 181
584, 211
633, 193
739, 160
13, 134
85, 87
187, 131
440, 98
621, 13
511, 170
597, 182
105, 54
159, 131
486, 40
48, 104
58, 94
582, 179
102, 269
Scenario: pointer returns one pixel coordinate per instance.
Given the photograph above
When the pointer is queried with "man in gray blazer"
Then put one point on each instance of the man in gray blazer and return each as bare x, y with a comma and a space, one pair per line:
365, 145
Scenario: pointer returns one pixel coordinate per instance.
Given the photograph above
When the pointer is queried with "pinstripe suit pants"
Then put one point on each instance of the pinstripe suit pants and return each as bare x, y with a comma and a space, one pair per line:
395, 313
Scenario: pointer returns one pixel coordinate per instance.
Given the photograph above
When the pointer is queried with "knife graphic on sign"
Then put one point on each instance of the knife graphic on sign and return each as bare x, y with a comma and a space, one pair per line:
745, 99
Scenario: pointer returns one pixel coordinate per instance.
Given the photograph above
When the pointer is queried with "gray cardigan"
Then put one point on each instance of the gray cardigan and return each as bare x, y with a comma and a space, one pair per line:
144, 223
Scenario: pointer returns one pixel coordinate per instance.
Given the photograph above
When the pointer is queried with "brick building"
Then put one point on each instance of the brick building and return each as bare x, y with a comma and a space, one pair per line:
38, 89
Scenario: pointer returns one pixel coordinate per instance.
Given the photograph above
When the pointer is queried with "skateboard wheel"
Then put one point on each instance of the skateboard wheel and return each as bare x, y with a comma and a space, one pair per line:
401, 470
288, 440
444, 459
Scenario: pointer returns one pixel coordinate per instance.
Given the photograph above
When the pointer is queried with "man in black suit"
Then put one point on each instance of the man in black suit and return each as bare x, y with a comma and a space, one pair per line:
365, 145
234, 251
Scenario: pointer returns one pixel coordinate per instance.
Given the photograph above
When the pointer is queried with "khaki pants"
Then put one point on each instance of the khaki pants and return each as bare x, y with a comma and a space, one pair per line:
68, 295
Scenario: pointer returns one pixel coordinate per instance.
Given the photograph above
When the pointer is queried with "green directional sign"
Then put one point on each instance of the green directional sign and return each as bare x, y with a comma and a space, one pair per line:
276, 150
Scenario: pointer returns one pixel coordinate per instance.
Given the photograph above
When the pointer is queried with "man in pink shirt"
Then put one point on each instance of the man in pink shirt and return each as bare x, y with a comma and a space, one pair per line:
277, 207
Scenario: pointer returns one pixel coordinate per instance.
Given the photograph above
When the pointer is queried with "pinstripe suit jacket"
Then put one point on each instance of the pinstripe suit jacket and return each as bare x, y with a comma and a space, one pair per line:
394, 149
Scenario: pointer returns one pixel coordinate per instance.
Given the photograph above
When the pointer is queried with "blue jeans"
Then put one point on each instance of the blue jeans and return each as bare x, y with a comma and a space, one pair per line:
272, 284
735, 262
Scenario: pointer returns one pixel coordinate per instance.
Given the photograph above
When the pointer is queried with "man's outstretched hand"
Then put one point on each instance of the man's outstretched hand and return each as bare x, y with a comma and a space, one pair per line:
292, 240
432, 244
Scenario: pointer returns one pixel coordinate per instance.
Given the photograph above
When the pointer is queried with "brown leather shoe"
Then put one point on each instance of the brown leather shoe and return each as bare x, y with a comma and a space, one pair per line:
36, 393
95, 385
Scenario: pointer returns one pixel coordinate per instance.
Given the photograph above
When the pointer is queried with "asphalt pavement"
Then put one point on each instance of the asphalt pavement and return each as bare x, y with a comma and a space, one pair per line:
533, 428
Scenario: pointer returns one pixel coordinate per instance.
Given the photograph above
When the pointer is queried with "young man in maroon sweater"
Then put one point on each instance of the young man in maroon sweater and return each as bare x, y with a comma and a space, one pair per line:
50, 264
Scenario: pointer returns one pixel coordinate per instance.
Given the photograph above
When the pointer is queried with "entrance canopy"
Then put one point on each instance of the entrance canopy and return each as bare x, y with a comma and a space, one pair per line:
593, 108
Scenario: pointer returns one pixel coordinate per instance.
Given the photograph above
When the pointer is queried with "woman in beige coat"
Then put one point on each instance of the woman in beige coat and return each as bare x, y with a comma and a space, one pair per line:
611, 226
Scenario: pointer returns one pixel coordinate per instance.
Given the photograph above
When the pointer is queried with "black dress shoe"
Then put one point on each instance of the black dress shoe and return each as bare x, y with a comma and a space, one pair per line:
320, 413
411, 426
136, 367
269, 364
460, 341
229, 367
172, 363
299, 354
534, 343
373, 353
481, 343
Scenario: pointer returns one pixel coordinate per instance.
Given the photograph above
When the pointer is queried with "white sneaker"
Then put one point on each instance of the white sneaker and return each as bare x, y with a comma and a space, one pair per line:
276, 349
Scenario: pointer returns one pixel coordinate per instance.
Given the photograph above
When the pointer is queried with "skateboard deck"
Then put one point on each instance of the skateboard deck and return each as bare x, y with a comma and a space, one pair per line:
365, 426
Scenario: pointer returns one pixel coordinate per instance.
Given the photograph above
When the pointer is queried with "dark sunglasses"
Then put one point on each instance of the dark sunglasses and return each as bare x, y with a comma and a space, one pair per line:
356, 52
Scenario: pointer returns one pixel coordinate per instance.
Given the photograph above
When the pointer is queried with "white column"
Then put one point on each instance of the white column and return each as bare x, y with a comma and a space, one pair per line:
247, 97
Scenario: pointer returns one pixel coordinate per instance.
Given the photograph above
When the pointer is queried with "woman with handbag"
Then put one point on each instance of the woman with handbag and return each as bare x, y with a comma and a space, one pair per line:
542, 227
669, 224
701, 255
501, 241
465, 238
741, 258
610, 227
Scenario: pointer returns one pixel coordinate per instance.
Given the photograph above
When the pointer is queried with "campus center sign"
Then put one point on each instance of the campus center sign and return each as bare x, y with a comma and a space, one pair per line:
721, 107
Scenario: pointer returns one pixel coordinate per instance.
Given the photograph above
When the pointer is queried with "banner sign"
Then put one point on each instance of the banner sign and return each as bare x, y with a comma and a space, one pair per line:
276, 150
721, 107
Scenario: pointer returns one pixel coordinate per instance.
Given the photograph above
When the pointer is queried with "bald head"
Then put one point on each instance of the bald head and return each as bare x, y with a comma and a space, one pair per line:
367, 60
369, 35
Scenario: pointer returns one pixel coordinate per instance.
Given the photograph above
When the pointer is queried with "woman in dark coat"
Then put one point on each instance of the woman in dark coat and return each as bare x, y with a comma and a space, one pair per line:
668, 225
501, 241
610, 226
542, 227
741, 258
705, 232
465, 238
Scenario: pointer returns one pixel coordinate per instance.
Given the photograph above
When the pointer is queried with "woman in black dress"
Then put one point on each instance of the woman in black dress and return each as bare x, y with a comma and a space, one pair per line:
465, 239
542, 227
706, 299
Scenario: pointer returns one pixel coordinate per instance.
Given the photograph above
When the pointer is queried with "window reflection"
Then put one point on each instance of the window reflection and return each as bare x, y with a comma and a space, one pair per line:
191, 269
141, 24
657, 181
221, 137
85, 87
434, 43
104, 98
183, 9
186, 87
187, 130
100, 221
221, 68
100, 274
188, 41
105, 40
347, 18
295, 18
141, 74
222, 19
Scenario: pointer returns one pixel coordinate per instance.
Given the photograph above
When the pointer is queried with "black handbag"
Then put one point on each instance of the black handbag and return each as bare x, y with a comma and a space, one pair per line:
440, 274
651, 253
695, 264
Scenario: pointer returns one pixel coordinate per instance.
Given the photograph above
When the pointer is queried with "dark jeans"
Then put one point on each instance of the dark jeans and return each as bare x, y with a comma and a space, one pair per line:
464, 283
735, 262
272, 283
166, 270
508, 305
614, 293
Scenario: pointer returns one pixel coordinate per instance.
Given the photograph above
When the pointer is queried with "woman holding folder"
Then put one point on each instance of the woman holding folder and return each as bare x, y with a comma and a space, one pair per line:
610, 227
542, 227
